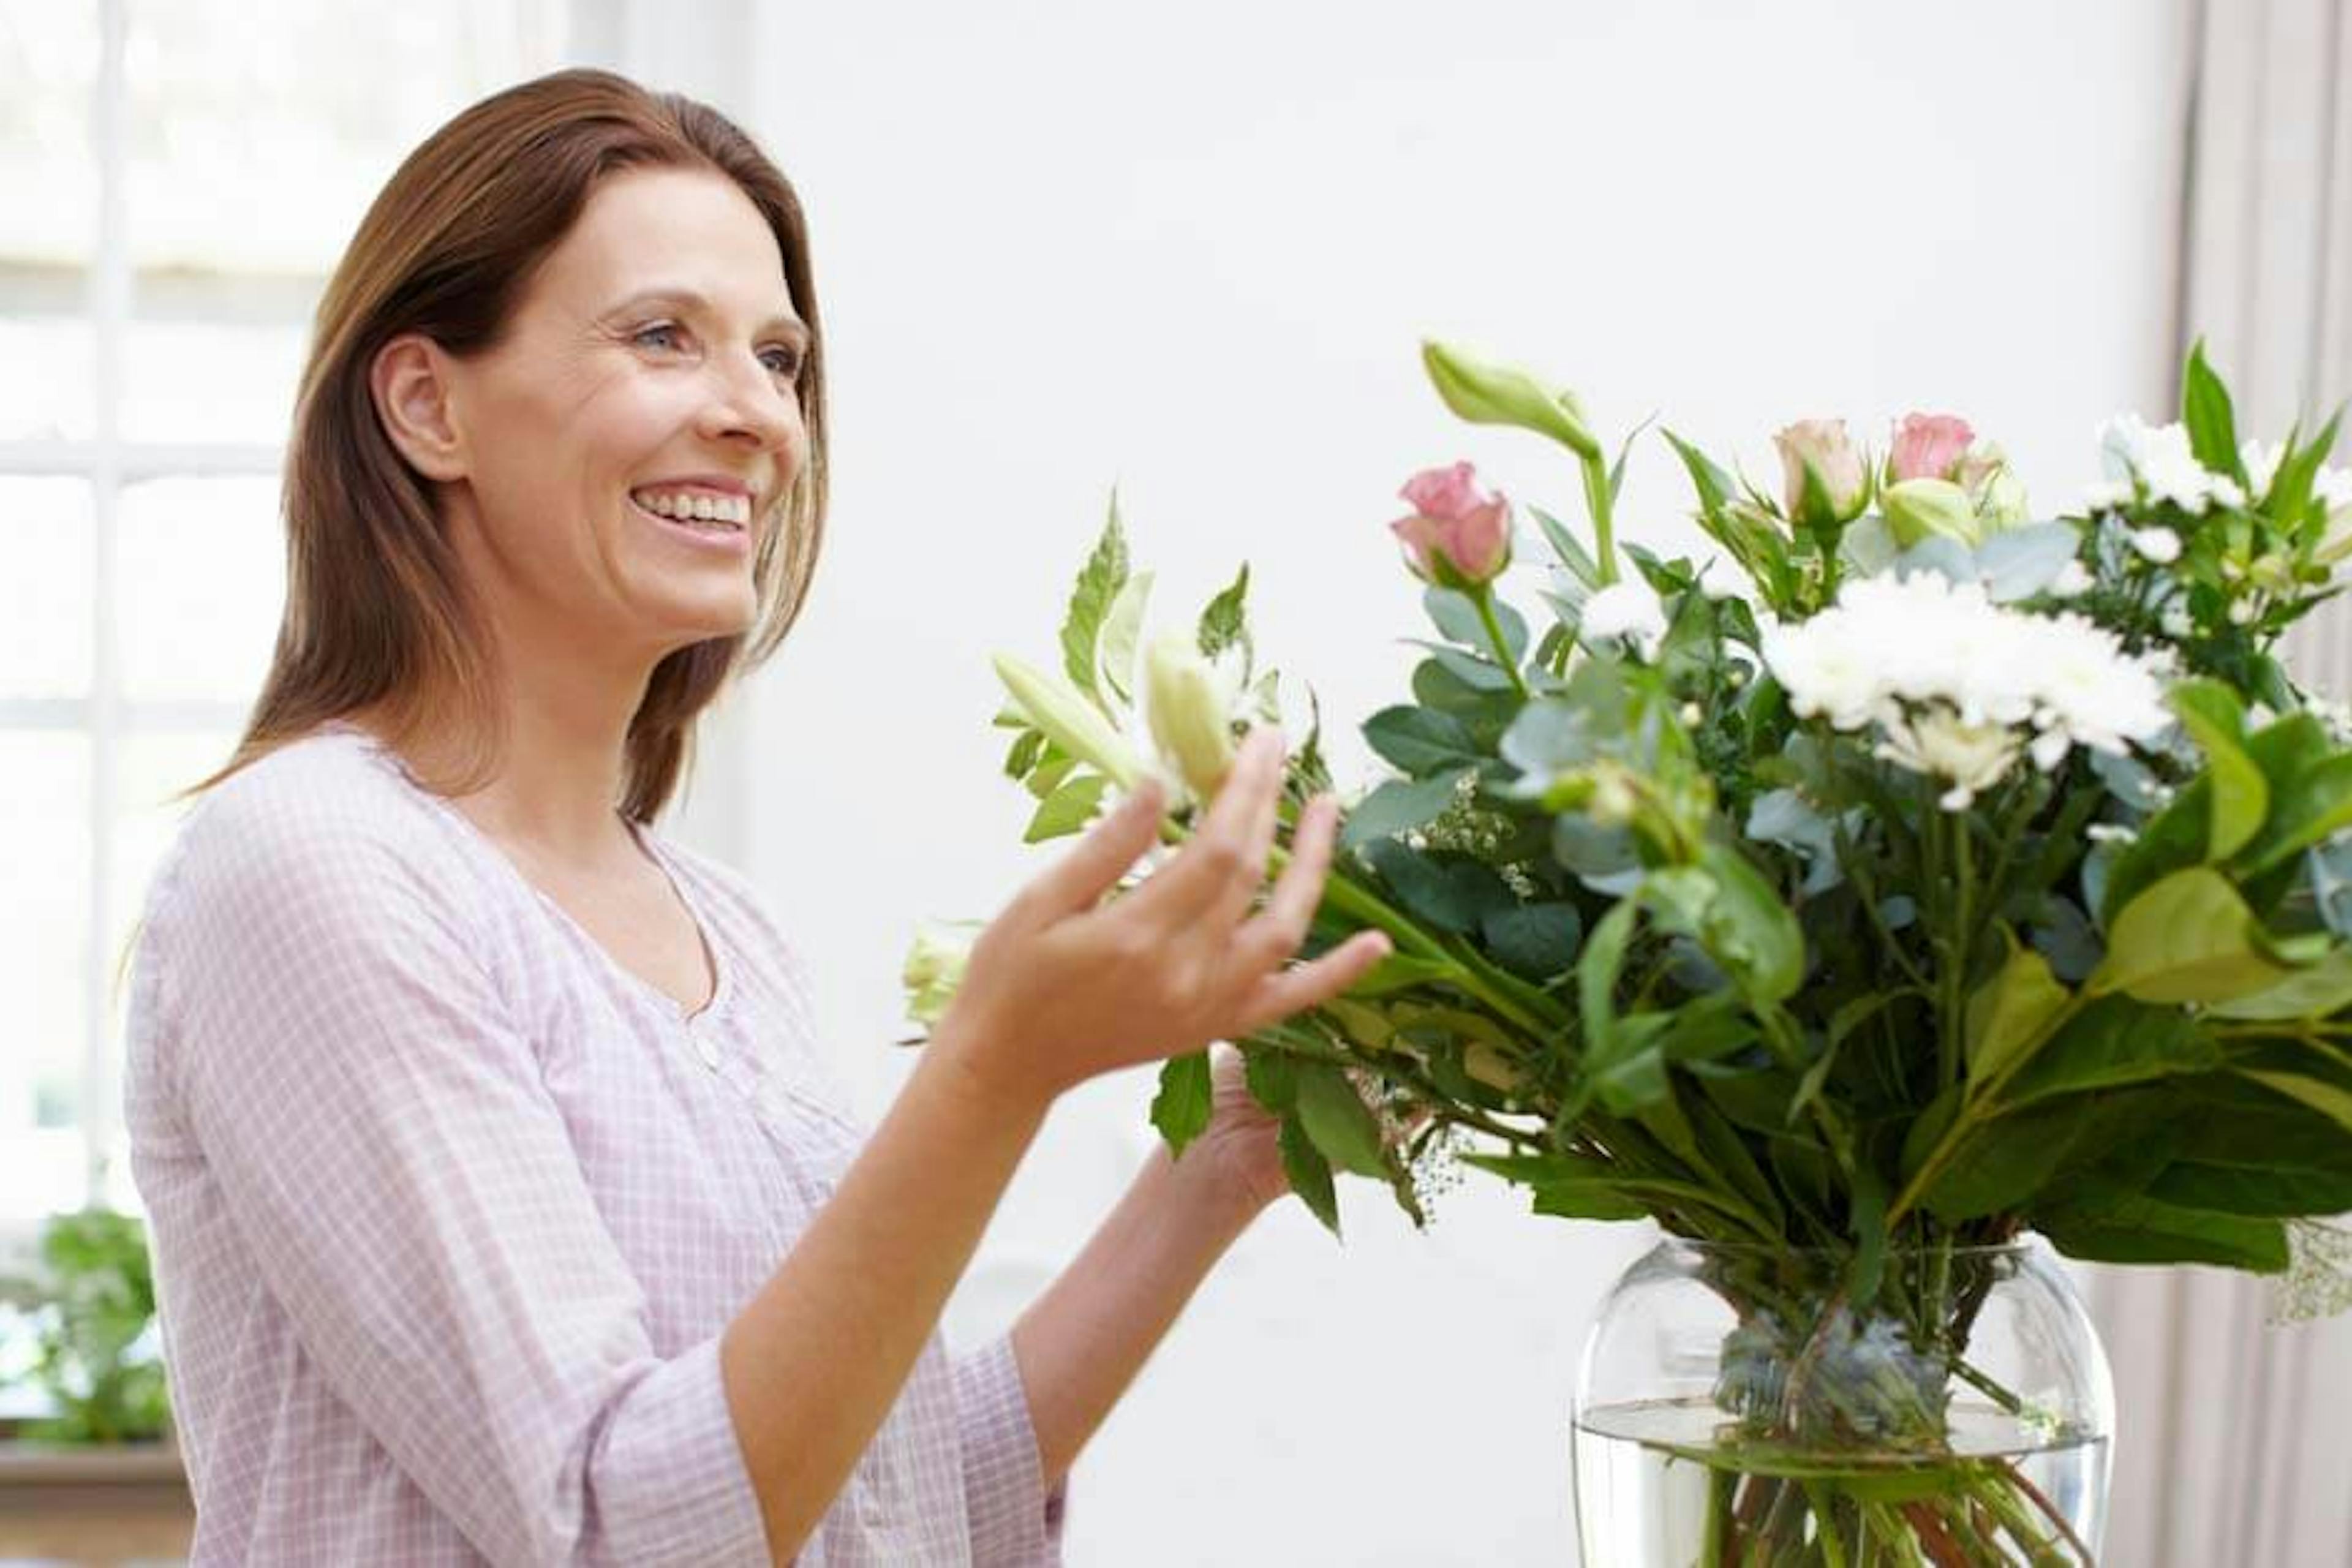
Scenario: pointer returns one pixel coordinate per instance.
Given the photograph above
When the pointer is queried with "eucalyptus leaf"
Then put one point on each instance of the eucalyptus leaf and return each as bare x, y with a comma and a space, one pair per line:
2021, 562
1420, 741
1400, 806
1537, 940
1455, 615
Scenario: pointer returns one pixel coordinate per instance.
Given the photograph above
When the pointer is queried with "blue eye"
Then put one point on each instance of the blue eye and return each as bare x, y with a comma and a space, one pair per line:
785, 363
659, 329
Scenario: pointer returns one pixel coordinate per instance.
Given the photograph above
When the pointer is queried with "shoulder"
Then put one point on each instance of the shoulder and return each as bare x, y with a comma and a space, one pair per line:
329, 818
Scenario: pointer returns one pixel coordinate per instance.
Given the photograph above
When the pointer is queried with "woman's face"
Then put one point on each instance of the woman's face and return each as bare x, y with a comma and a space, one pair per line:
646, 376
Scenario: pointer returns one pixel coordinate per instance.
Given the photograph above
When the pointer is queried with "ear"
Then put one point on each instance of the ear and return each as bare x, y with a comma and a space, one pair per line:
413, 388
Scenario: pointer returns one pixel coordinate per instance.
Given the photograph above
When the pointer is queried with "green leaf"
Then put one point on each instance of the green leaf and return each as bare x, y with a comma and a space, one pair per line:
1115, 649
2003, 1162
1026, 749
1224, 622
2291, 486
1454, 894
1400, 971
1537, 942
1456, 614
1572, 553
1748, 931
1310, 1172
2320, 991
2142, 1230
2112, 1042
1185, 1102
2312, 805
1100, 581
1400, 806
1342, 1127
2212, 424
2281, 1191
2190, 938
1716, 487
1420, 741
2008, 1014
2214, 719
1272, 1077
1068, 810
1596, 974
2329, 1100
2175, 838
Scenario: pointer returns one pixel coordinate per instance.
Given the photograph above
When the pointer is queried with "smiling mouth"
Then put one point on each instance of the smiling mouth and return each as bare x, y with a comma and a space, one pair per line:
704, 514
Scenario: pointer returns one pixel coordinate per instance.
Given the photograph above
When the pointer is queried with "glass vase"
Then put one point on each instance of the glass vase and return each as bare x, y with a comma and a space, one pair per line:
1737, 1406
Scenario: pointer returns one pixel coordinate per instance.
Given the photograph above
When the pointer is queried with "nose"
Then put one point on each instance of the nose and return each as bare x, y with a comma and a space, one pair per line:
748, 402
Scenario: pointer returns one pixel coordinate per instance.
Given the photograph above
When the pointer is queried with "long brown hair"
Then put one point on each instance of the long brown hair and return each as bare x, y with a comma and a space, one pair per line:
377, 614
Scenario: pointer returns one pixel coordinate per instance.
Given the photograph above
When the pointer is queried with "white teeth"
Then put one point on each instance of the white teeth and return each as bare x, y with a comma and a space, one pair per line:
729, 510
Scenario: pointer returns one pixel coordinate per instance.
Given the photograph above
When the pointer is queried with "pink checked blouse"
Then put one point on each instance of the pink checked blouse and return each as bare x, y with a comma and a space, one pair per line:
449, 1209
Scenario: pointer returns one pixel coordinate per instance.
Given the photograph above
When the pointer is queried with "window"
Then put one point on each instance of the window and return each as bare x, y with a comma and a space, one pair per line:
180, 176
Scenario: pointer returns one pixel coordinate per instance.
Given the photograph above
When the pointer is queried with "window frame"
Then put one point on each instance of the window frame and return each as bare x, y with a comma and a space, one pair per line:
711, 59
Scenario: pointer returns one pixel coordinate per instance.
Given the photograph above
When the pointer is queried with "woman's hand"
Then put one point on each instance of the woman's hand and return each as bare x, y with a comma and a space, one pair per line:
1062, 987
1240, 1152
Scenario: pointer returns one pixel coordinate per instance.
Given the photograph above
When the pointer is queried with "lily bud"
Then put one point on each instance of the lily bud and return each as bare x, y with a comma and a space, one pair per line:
935, 966
1188, 701
1827, 482
1930, 509
1069, 721
1486, 394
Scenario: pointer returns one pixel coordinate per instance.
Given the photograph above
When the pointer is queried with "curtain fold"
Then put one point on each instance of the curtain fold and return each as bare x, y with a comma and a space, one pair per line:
2232, 1433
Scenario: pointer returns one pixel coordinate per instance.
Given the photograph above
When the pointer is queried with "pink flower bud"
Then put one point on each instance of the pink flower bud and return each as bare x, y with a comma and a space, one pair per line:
1928, 446
1458, 535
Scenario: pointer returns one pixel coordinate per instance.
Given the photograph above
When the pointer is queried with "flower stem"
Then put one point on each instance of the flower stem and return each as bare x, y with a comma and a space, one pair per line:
1484, 597
1598, 500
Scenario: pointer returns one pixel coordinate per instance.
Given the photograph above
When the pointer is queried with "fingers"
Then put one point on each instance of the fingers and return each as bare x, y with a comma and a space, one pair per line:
1092, 866
1278, 995
1219, 854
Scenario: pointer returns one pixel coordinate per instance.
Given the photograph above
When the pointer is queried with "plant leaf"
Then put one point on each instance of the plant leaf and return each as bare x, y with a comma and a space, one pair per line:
1068, 810
1342, 1127
2187, 939
1185, 1102
1100, 581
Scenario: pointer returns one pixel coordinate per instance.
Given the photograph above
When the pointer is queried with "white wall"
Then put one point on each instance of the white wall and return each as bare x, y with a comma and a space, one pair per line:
1191, 249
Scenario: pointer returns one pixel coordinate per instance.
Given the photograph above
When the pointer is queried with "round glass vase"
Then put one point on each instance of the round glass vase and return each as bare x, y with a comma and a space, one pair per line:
1735, 1406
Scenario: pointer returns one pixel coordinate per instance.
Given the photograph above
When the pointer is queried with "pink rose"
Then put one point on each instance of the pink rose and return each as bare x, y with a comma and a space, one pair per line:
1458, 535
1821, 448
1928, 446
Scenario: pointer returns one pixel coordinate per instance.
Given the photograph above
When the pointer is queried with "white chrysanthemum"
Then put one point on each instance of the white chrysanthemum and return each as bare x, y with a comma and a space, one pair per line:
2161, 461
1958, 683
1625, 612
1972, 757
2261, 461
2157, 543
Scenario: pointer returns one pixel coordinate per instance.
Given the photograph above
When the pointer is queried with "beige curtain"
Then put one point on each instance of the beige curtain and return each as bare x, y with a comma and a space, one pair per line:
2235, 1444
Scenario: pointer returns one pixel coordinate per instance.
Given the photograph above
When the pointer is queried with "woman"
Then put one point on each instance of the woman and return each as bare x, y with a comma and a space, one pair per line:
501, 1206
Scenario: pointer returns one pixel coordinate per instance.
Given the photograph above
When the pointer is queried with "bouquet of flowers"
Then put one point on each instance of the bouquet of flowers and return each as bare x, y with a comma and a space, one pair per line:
1911, 876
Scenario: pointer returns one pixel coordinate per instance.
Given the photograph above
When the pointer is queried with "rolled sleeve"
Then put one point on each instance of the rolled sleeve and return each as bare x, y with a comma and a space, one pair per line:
1015, 1521
406, 1187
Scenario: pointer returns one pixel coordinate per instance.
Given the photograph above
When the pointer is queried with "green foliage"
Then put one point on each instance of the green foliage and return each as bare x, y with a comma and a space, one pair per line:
1664, 946
92, 1306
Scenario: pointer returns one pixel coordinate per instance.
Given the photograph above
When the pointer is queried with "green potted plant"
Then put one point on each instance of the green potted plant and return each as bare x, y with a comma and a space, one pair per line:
90, 1302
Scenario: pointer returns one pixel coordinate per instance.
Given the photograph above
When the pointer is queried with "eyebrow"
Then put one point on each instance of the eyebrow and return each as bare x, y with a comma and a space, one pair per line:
789, 325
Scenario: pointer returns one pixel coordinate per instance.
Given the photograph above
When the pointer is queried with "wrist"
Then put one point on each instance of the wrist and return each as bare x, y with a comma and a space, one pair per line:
983, 1068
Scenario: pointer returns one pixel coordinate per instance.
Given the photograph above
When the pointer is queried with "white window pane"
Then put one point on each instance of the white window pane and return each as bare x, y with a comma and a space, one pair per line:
203, 571
49, 61
202, 381
47, 391
44, 927
261, 128
45, 592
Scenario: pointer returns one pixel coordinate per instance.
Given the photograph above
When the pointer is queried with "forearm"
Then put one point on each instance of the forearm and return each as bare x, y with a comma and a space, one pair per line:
1081, 1343
813, 1364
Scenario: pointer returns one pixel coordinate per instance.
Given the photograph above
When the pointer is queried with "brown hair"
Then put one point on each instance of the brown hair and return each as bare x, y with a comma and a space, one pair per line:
377, 614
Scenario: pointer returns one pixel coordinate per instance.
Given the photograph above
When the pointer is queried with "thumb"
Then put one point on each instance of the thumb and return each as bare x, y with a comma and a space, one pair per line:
1076, 882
